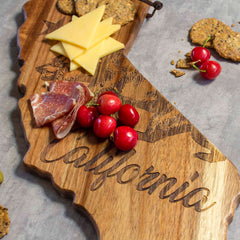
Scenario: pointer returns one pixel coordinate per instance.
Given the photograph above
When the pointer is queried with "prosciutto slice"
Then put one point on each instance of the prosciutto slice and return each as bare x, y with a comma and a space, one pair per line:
49, 106
65, 87
81, 94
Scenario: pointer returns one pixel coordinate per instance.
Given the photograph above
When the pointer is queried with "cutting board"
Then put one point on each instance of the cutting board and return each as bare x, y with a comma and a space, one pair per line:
175, 184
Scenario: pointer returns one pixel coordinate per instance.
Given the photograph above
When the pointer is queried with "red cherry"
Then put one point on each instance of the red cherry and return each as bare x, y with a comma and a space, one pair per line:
128, 115
107, 92
86, 116
210, 69
104, 125
125, 138
200, 54
108, 104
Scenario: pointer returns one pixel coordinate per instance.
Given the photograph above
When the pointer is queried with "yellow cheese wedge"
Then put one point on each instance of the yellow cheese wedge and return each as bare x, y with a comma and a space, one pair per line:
81, 31
103, 32
74, 17
58, 48
89, 59
110, 45
73, 66
74, 51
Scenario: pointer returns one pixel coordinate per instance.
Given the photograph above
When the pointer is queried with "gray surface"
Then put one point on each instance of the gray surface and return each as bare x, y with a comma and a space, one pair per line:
36, 209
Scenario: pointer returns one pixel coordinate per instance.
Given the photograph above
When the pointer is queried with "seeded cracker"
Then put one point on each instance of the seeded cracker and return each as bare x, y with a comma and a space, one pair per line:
227, 44
122, 11
66, 6
85, 6
205, 27
4, 221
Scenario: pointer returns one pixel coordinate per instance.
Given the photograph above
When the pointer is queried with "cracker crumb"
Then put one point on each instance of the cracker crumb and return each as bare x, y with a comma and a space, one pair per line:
177, 73
233, 25
179, 51
183, 63
172, 62
1, 177
188, 55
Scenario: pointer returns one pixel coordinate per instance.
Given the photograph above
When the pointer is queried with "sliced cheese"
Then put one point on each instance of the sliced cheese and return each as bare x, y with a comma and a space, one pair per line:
89, 59
74, 17
80, 31
74, 51
73, 66
110, 45
104, 31
107, 21
58, 48
85, 50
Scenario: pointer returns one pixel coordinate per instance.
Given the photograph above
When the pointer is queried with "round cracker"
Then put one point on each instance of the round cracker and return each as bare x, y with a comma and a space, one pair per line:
66, 6
4, 221
227, 44
122, 11
85, 6
201, 30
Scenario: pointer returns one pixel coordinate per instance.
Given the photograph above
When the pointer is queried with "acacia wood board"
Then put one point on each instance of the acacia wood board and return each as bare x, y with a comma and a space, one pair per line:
175, 184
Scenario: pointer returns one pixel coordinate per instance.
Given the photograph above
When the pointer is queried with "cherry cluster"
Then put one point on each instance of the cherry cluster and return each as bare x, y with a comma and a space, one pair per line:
200, 57
100, 118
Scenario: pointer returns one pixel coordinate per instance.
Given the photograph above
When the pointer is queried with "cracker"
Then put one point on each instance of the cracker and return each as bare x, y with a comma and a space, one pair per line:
177, 73
66, 6
4, 221
122, 11
205, 27
85, 6
227, 44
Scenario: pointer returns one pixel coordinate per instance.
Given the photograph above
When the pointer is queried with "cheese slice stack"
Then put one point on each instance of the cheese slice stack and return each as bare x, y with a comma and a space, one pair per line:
86, 39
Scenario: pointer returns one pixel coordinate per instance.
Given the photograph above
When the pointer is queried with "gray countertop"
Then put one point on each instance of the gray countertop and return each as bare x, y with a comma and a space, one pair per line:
36, 210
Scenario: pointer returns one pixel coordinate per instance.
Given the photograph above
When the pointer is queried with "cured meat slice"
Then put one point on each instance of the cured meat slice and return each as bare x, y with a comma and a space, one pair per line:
65, 87
82, 95
50, 106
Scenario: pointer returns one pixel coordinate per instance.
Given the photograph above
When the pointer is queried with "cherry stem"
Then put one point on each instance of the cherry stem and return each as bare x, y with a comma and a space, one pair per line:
116, 90
209, 37
90, 103
198, 68
196, 62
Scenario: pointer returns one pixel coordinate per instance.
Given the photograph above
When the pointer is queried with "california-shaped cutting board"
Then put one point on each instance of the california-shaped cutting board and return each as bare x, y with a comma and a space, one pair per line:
174, 184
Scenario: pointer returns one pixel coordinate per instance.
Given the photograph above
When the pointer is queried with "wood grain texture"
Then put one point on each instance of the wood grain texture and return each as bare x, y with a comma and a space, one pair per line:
175, 184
